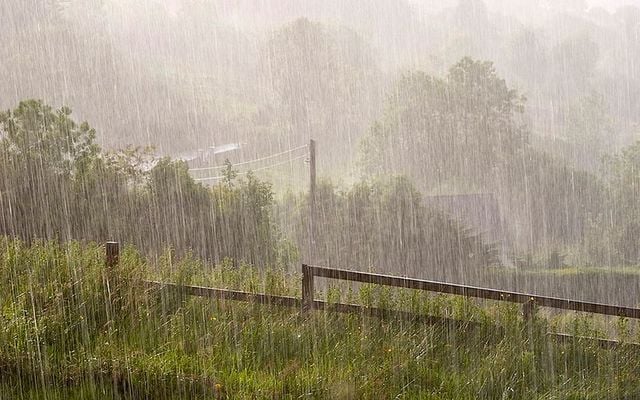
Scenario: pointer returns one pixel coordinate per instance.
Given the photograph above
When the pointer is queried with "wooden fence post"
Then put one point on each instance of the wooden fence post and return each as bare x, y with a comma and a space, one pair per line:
528, 310
112, 256
307, 288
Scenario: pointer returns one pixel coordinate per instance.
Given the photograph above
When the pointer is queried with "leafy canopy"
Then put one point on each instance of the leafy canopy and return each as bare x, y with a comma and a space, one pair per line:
35, 133
459, 126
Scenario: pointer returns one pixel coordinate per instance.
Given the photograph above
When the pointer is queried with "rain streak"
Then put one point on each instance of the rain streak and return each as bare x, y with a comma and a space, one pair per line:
320, 199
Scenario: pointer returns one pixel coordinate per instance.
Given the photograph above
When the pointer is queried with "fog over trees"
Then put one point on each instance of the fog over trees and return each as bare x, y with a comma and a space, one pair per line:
532, 106
184, 182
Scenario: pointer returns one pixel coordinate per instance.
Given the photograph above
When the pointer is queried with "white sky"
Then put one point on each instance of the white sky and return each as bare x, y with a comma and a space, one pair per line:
612, 5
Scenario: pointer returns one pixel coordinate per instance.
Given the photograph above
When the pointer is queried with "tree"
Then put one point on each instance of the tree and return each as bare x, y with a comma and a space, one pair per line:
47, 159
383, 224
622, 221
460, 127
590, 129
55, 182
35, 133
528, 58
463, 132
573, 62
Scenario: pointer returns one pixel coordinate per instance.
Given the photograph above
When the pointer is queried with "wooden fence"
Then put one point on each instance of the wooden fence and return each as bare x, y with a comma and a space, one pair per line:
527, 300
307, 303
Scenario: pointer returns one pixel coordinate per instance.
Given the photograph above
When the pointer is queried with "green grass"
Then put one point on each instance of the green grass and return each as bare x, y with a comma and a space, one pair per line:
61, 337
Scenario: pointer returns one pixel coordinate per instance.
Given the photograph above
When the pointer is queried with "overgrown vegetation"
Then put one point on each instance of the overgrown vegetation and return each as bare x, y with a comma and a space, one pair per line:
518, 173
60, 337
383, 224
57, 183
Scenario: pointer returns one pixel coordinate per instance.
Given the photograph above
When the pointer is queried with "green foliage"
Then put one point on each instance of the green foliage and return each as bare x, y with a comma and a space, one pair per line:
438, 129
42, 138
383, 224
619, 223
55, 182
244, 220
553, 199
131, 163
588, 132
464, 131
58, 340
229, 173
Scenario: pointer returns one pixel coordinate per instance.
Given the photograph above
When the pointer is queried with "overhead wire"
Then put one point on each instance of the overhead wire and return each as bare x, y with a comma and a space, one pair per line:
255, 170
250, 161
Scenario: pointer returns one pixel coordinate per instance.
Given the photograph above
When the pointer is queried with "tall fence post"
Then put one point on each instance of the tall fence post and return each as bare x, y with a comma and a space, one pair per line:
112, 258
528, 310
112, 255
307, 288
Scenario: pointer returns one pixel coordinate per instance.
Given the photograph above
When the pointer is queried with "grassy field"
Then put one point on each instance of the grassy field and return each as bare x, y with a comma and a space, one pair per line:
63, 335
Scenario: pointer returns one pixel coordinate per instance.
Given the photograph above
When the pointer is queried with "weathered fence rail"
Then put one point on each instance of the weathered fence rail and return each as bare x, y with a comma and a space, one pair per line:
295, 302
527, 300
308, 303
226, 294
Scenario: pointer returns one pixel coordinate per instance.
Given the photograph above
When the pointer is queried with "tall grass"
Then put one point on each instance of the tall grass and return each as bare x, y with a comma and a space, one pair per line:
64, 335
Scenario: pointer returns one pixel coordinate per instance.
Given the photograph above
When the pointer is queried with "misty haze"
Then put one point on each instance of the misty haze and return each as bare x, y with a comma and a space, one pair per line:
327, 199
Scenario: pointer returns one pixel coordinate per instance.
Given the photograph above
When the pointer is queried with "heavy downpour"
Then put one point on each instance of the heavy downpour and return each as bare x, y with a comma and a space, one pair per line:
319, 199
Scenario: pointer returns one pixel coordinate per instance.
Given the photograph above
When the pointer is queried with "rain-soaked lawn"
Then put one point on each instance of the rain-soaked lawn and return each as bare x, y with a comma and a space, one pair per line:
61, 338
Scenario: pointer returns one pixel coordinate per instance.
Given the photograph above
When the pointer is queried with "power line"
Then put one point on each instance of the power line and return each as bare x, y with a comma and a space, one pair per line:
255, 170
250, 161
281, 162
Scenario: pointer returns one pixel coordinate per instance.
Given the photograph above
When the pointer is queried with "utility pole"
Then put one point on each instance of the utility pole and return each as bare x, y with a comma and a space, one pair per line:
312, 200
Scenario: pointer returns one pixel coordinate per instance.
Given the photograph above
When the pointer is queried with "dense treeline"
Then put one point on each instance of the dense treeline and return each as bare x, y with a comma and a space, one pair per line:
271, 73
384, 225
58, 183
447, 134
463, 132
395, 77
